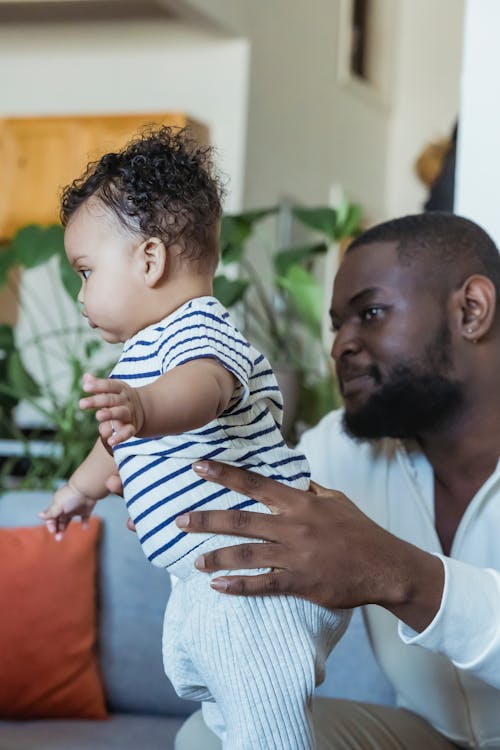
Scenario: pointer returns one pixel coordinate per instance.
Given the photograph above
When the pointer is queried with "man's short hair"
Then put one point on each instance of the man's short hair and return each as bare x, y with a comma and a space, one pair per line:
447, 244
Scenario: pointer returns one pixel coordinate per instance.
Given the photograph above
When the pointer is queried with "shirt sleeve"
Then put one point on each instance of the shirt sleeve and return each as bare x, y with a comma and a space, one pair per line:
466, 628
206, 334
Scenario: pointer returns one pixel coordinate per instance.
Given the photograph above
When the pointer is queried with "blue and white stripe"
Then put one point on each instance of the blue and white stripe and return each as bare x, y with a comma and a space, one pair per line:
158, 481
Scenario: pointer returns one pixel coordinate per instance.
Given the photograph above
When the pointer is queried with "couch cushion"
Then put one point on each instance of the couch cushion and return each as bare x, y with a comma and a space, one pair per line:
48, 664
122, 732
133, 595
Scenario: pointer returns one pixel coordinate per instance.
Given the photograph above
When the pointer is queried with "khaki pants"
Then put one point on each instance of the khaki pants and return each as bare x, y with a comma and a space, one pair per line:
341, 725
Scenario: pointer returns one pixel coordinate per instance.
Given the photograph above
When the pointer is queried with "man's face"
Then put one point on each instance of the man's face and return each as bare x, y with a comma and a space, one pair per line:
393, 347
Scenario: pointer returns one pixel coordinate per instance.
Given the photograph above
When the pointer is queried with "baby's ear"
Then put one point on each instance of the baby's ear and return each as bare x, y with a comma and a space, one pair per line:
153, 255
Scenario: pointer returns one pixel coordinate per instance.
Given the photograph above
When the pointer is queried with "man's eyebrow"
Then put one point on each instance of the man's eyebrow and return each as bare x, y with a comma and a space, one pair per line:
364, 295
358, 298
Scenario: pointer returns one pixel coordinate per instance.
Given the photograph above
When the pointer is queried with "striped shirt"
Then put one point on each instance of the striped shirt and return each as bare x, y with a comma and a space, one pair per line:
158, 481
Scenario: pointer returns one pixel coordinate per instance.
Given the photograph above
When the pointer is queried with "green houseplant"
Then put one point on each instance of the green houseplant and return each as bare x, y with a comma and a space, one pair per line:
67, 432
282, 305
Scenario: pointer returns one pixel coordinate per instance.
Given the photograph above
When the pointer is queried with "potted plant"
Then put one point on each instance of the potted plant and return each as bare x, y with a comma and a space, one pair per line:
282, 305
42, 368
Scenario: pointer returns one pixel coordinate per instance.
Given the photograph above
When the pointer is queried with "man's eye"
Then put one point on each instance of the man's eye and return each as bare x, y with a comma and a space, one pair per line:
84, 273
372, 313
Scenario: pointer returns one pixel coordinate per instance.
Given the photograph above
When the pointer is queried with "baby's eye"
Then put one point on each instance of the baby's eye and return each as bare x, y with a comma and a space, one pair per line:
84, 273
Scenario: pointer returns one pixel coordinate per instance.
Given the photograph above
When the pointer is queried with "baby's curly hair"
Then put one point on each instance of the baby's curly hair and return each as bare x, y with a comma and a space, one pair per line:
161, 184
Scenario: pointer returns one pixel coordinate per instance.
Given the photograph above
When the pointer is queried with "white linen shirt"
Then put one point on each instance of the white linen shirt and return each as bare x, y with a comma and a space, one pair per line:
450, 672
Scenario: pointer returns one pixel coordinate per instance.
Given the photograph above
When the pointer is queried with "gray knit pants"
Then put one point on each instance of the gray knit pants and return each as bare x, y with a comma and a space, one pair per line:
254, 662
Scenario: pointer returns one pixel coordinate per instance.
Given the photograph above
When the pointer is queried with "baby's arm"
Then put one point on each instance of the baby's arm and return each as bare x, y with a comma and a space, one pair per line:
79, 496
184, 398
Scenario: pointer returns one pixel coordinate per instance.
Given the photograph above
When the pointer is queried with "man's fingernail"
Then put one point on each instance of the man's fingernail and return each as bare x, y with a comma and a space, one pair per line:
219, 584
182, 521
58, 537
202, 467
200, 562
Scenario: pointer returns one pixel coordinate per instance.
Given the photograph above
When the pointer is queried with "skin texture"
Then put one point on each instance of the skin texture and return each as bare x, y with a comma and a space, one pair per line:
384, 314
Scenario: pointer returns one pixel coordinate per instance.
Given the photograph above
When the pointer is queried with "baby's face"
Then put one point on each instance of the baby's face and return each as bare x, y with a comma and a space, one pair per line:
102, 253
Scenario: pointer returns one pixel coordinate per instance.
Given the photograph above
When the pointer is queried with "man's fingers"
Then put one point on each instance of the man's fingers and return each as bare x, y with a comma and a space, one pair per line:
235, 522
273, 583
273, 494
130, 525
240, 556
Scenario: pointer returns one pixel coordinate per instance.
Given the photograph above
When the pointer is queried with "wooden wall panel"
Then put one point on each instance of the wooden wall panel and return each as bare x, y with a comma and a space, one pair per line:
40, 155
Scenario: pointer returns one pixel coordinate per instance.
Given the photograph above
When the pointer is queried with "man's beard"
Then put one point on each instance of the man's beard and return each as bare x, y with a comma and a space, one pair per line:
415, 398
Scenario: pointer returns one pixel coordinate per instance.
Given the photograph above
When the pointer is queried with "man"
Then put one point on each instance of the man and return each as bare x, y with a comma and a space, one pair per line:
412, 524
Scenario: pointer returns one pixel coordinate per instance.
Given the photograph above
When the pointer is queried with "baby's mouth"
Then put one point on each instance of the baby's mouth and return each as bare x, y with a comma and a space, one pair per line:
90, 322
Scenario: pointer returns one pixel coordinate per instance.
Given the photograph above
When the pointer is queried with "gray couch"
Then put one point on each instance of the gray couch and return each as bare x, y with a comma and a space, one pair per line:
145, 712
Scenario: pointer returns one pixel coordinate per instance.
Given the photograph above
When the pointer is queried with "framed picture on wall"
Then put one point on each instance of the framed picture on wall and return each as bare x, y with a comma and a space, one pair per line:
367, 32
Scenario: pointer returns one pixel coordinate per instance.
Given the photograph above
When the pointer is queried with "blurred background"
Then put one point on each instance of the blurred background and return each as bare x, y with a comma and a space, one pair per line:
327, 116
302, 99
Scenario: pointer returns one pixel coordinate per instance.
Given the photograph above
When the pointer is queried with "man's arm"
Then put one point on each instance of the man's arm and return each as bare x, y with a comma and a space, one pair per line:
183, 399
323, 548
320, 546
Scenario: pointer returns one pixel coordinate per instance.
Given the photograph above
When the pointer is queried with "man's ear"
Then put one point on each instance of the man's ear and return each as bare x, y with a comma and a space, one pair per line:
153, 258
477, 300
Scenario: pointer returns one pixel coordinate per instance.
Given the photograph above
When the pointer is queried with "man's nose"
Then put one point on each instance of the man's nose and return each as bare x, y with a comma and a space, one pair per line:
346, 341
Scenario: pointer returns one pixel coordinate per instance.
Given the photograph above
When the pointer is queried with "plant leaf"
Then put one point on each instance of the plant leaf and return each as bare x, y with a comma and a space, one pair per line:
69, 279
322, 219
317, 399
234, 233
19, 378
349, 220
7, 261
306, 296
229, 291
7, 342
290, 256
236, 229
34, 245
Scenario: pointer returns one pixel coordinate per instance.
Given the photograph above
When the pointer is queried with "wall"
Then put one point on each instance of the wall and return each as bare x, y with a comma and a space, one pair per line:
99, 68
478, 143
426, 92
310, 130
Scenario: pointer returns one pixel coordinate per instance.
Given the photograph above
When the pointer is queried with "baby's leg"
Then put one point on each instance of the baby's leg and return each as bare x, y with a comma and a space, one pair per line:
260, 659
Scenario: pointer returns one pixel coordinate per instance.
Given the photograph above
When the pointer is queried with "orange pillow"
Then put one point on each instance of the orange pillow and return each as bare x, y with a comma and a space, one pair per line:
48, 664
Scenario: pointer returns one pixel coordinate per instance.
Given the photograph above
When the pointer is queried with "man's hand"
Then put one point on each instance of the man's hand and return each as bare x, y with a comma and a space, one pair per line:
119, 408
320, 546
67, 503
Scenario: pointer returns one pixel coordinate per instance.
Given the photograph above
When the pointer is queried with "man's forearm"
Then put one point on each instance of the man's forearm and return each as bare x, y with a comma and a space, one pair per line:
412, 583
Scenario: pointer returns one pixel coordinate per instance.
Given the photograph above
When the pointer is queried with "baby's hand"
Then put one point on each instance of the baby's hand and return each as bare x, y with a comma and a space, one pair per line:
67, 503
119, 409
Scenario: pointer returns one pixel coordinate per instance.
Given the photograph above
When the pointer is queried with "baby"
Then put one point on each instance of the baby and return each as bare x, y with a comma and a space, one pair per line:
141, 229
